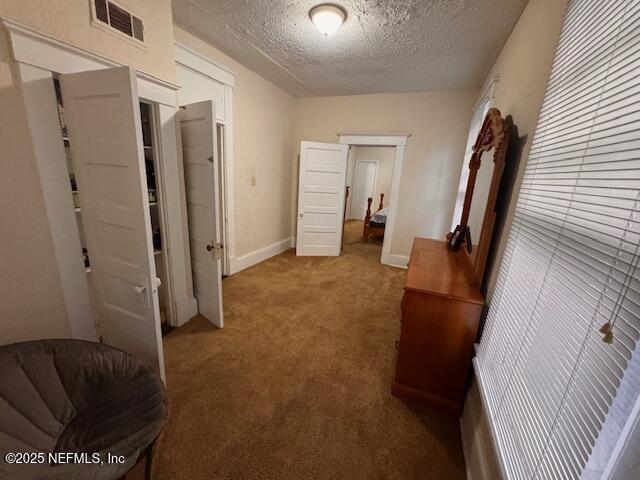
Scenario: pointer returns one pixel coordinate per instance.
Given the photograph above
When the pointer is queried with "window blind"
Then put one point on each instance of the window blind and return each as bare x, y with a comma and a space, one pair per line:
565, 316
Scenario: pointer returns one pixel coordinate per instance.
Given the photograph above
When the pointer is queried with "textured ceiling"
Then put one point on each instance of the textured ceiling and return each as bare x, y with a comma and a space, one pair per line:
384, 46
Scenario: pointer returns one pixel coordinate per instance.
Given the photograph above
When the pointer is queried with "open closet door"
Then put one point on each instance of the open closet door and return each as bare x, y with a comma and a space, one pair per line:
321, 197
201, 170
102, 113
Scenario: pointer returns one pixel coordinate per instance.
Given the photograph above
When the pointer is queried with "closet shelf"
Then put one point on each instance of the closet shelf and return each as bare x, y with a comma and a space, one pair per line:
157, 252
87, 269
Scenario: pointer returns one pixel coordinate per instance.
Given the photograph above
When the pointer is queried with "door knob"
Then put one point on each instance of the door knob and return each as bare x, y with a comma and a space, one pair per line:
145, 292
210, 247
301, 215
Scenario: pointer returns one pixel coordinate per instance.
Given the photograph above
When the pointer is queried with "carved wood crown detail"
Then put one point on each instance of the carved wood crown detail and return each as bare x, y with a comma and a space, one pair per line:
492, 134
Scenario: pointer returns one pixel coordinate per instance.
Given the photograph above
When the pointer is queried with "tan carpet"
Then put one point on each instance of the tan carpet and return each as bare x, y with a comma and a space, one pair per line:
296, 386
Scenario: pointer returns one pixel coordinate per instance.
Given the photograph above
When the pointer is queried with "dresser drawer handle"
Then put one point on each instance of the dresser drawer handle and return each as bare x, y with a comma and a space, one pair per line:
397, 345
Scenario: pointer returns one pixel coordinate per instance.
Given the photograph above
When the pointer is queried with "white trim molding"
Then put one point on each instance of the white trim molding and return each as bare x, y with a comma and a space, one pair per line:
499, 448
488, 92
624, 461
399, 141
198, 63
399, 261
374, 139
260, 255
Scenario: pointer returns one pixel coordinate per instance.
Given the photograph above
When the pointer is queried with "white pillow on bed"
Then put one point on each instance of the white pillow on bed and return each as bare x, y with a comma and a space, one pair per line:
380, 216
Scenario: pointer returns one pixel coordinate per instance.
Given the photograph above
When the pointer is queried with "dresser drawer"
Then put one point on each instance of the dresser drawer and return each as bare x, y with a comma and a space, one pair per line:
436, 345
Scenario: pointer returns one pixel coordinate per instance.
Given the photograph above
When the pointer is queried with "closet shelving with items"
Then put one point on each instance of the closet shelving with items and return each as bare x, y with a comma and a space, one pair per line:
155, 207
155, 203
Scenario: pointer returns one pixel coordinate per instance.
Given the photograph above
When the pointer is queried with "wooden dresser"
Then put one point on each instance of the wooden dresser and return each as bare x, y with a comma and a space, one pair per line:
440, 315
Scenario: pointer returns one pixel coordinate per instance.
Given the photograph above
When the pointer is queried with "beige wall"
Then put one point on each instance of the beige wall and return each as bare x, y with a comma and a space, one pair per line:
263, 133
69, 21
523, 67
438, 123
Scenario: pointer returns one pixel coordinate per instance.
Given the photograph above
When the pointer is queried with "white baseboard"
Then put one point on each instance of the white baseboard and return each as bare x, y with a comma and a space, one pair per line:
186, 309
393, 260
238, 264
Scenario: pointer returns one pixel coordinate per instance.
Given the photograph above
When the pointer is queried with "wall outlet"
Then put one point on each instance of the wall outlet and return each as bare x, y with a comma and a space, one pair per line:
253, 181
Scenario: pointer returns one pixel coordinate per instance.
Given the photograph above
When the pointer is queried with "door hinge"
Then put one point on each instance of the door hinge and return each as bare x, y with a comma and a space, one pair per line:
215, 249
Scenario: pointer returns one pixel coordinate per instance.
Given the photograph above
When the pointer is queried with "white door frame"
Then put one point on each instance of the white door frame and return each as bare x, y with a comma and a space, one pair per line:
162, 200
355, 175
224, 236
209, 69
398, 140
38, 56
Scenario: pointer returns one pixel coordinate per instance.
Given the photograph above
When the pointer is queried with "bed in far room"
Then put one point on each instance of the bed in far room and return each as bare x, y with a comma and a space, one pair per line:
374, 224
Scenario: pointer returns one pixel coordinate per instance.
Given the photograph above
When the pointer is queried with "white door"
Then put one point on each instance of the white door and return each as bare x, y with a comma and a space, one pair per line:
364, 184
201, 171
102, 113
321, 197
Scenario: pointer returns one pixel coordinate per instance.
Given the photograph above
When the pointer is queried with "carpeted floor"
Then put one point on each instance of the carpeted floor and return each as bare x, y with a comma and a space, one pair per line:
296, 386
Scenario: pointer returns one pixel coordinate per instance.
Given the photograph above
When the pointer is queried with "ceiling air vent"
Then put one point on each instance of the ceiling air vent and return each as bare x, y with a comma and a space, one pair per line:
117, 17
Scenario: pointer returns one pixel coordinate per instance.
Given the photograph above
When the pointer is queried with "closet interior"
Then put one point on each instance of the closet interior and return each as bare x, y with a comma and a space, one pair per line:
150, 142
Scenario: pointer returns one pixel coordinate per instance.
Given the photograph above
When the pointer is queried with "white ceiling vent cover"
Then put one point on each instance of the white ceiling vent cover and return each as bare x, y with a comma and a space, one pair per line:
119, 18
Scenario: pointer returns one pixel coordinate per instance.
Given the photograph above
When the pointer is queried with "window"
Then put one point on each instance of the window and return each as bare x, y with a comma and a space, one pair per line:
118, 18
565, 318
479, 112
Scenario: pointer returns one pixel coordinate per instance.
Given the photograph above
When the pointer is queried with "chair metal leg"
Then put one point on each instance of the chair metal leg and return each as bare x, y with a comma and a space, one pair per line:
147, 464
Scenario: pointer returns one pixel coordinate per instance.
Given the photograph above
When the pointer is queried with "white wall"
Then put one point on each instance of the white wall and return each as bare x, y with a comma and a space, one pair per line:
438, 123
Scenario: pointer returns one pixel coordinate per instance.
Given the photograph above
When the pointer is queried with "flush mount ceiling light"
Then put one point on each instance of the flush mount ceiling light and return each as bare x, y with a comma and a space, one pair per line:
327, 17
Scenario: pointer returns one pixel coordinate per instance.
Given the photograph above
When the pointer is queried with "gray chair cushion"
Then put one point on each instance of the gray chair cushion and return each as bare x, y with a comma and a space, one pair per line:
76, 397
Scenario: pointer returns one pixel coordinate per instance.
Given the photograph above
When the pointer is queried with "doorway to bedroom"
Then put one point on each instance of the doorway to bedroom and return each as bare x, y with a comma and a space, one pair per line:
369, 172
323, 193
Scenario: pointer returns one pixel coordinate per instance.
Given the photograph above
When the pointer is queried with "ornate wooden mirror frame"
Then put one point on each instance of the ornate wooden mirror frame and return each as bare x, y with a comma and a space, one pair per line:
494, 134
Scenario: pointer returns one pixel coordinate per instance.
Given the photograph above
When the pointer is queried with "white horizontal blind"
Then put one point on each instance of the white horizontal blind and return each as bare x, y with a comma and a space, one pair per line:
571, 261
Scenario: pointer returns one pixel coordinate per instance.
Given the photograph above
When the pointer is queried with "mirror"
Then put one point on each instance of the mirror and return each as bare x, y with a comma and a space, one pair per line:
473, 233
479, 201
